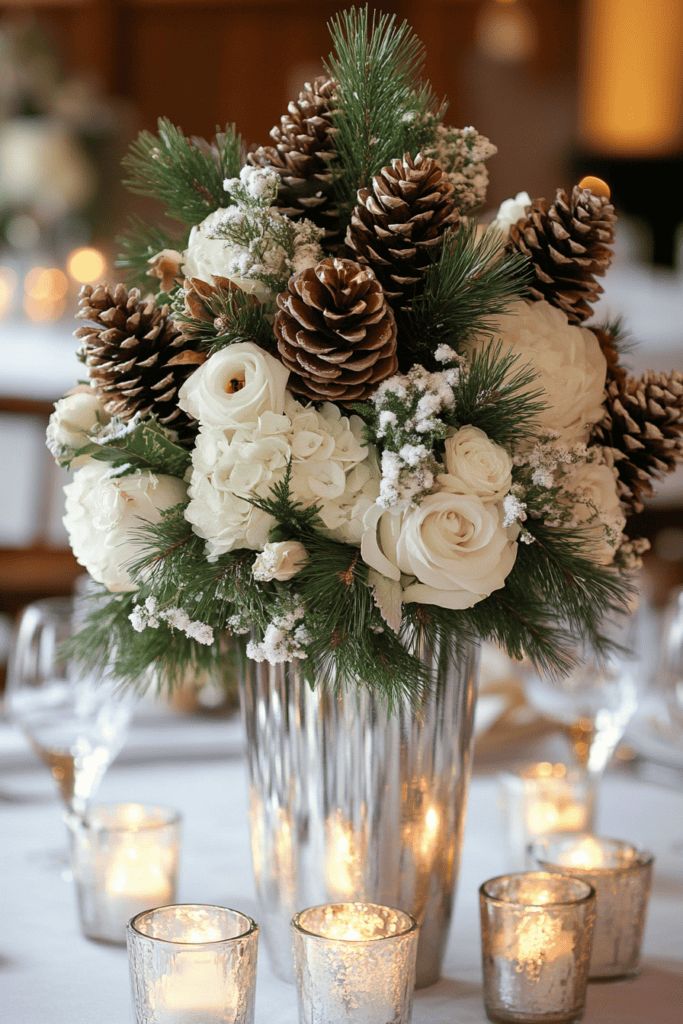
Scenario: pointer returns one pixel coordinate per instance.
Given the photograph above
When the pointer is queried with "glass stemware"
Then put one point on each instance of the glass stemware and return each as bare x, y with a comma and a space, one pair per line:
75, 721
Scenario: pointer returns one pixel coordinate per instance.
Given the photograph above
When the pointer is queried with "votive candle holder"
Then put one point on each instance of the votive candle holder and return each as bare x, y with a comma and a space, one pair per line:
124, 859
536, 930
621, 875
193, 964
354, 964
541, 799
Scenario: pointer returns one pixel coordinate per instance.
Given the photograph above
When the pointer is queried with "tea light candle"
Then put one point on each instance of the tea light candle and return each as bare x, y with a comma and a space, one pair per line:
124, 860
621, 876
536, 931
354, 964
544, 798
193, 964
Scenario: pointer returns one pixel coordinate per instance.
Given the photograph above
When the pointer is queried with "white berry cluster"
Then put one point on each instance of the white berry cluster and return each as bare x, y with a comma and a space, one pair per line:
463, 153
150, 616
285, 638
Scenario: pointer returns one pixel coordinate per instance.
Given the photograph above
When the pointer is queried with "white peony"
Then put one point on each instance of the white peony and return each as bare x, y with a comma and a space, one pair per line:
105, 512
73, 420
510, 211
208, 256
475, 465
281, 561
235, 386
591, 491
568, 360
453, 548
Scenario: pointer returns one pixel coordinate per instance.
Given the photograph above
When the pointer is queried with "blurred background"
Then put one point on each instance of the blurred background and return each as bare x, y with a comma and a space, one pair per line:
562, 87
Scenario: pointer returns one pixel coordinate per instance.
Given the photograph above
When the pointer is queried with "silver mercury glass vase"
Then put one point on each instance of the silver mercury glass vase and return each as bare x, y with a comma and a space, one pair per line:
351, 802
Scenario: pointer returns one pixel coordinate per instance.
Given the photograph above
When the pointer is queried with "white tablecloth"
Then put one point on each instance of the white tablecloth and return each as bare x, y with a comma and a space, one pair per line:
49, 974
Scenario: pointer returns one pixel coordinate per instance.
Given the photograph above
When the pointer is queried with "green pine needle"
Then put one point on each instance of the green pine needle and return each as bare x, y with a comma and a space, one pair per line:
138, 245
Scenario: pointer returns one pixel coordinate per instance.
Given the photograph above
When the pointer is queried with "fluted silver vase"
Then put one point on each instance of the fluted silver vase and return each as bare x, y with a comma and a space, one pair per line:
348, 801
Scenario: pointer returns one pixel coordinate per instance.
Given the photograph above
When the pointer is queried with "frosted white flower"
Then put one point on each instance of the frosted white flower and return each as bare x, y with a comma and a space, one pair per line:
590, 491
284, 640
568, 360
147, 616
475, 465
514, 510
451, 550
235, 386
104, 514
510, 211
209, 255
75, 417
280, 561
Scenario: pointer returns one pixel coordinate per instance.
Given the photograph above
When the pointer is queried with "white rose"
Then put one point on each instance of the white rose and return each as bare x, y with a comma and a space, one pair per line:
74, 418
475, 465
568, 360
207, 257
235, 386
454, 546
104, 514
510, 211
591, 488
281, 561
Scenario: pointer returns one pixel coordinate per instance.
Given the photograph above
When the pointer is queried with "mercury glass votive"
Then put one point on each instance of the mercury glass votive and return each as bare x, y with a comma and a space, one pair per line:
621, 876
354, 964
544, 798
124, 859
536, 932
193, 964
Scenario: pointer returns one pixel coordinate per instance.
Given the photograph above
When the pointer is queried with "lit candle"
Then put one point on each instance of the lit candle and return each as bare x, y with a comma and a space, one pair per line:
124, 860
193, 964
355, 964
621, 876
536, 930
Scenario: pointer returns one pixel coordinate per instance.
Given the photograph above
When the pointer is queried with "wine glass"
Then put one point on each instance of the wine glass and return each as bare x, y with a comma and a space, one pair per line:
670, 666
75, 720
598, 698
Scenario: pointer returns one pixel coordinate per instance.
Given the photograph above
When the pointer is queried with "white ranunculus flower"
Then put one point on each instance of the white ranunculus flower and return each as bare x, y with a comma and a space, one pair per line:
510, 211
104, 514
475, 465
591, 490
280, 561
452, 547
235, 386
207, 257
568, 360
74, 418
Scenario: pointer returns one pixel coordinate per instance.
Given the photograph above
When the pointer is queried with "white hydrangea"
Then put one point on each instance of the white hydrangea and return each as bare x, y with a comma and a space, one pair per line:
589, 490
463, 153
330, 468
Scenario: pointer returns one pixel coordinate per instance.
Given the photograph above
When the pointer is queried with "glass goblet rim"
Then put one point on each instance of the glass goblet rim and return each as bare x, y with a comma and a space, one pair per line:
554, 876
411, 925
250, 926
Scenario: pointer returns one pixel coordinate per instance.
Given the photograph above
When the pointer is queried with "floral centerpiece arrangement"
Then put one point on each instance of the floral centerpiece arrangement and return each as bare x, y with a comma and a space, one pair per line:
333, 415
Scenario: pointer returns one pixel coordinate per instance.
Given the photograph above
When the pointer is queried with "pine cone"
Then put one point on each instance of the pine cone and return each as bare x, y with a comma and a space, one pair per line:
399, 222
335, 332
303, 155
643, 425
608, 341
198, 318
569, 243
135, 356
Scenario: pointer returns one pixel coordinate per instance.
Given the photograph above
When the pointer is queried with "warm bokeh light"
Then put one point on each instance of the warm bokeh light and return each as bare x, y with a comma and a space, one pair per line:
631, 77
86, 265
8, 284
45, 291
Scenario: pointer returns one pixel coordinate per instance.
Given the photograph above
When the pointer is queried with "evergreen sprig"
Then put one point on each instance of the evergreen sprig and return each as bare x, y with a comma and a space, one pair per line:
140, 242
233, 316
184, 174
383, 107
473, 281
145, 445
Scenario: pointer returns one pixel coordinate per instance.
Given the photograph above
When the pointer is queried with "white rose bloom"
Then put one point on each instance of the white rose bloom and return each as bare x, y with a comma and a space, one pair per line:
235, 386
105, 512
475, 465
568, 360
207, 257
74, 418
280, 561
454, 546
592, 492
510, 211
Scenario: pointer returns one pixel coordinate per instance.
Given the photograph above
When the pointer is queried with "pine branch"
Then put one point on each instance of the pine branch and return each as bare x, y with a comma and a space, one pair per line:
143, 445
232, 316
384, 109
473, 281
138, 245
184, 174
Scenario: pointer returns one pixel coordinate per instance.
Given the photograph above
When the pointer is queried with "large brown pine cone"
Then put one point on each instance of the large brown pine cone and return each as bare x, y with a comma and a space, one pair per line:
302, 154
398, 224
569, 243
643, 425
135, 356
335, 332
